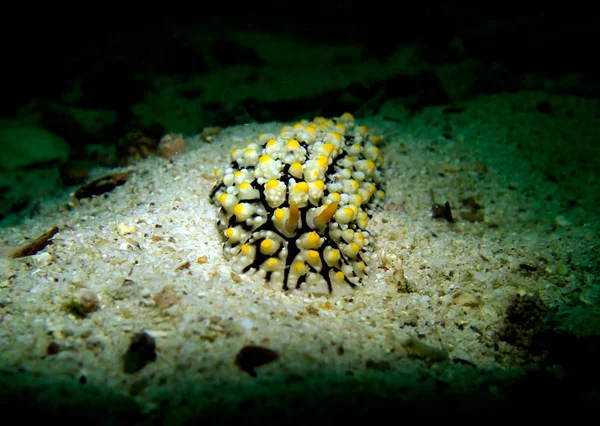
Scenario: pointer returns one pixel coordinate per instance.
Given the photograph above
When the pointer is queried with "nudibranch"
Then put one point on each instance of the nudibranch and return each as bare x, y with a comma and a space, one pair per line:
295, 206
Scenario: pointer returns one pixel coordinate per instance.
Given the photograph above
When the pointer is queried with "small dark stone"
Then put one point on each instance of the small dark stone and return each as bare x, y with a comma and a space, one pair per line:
250, 357
442, 211
141, 351
83, 303
53, 348
523, 321
527, 268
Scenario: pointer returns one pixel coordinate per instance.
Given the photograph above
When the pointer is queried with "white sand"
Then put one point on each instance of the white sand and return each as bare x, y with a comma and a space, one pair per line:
129, 246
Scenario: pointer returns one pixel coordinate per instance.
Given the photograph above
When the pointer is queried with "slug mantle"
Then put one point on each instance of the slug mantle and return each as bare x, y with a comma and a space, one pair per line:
295, 206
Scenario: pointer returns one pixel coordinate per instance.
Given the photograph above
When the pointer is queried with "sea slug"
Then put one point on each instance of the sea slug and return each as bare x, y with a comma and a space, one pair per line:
294, 206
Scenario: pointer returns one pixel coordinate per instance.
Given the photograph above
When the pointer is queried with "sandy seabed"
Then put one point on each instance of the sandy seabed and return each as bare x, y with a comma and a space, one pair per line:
147, 258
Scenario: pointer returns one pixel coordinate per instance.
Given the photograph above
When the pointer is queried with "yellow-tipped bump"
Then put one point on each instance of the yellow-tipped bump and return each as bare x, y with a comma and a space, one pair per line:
310, 240
279, 214
266, 245
323, 160
271, 184
296, 170
331, 256
272, 263
313, 258
301, 187
299, 268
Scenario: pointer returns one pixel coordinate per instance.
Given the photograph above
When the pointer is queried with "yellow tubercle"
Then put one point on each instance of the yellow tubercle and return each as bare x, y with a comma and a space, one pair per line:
269, 246
313, 258
266, 245
329, 148
312, 240
323, 161
272, 262
351, 250
359, 238
331, 256
279, 214
335, 254
299, 268
271, 184
238, 209
301, 187
296, 170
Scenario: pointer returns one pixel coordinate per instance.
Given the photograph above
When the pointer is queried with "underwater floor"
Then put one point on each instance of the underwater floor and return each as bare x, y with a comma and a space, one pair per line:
484, 286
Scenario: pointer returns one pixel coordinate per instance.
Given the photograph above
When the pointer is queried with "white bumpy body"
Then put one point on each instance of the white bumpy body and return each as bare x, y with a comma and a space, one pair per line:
295, 205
